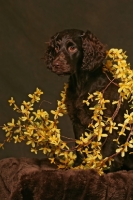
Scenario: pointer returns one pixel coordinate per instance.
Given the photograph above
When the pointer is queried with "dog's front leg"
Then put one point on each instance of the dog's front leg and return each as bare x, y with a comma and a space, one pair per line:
78, 131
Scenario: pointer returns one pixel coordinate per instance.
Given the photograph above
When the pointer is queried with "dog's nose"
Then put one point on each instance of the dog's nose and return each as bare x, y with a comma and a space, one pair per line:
59, 60
56, 63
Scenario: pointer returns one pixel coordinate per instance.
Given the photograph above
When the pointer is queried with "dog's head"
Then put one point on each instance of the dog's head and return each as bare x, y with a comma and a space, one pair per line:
74, 50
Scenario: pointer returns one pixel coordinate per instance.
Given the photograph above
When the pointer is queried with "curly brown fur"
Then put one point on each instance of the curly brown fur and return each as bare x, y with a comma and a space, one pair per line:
80, 55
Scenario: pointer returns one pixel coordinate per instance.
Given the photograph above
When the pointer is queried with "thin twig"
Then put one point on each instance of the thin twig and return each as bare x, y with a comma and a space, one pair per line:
117, 109
111, 81
44, 101
72, 139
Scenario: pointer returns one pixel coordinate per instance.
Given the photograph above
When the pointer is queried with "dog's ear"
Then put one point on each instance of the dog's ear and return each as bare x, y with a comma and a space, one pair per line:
94, 52
50, 52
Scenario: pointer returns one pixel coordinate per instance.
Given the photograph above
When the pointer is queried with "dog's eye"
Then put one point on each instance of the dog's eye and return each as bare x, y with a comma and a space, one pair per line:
72, 49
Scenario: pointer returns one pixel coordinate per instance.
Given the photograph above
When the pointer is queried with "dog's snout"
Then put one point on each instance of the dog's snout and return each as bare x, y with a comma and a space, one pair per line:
59, 60
56, 63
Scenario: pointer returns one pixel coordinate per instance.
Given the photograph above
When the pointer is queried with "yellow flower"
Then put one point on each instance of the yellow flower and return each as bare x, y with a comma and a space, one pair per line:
55, 139
110, 125
11, 124
28, 106
128, 118
116, 140
115, 53
34, 150
108, 64
38, 92
52, 160
11, 101
31, 142
41, 114
2, 145
17, 139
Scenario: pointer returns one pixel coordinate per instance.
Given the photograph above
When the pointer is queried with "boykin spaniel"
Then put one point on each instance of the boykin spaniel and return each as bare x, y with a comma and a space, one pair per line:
80, 55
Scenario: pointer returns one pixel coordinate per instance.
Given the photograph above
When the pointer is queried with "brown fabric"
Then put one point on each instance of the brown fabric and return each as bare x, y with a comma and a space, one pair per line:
34, 179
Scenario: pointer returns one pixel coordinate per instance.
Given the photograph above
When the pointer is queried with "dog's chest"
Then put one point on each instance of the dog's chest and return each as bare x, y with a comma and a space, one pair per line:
77, 110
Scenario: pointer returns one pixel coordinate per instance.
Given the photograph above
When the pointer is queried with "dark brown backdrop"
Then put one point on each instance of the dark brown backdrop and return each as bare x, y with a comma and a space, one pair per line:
26, 25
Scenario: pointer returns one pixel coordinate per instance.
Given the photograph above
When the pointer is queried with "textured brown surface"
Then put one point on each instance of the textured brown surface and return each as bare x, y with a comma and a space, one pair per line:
33, 179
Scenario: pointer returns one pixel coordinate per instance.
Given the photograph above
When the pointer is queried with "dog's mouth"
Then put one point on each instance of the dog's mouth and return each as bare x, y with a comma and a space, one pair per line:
61, 70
